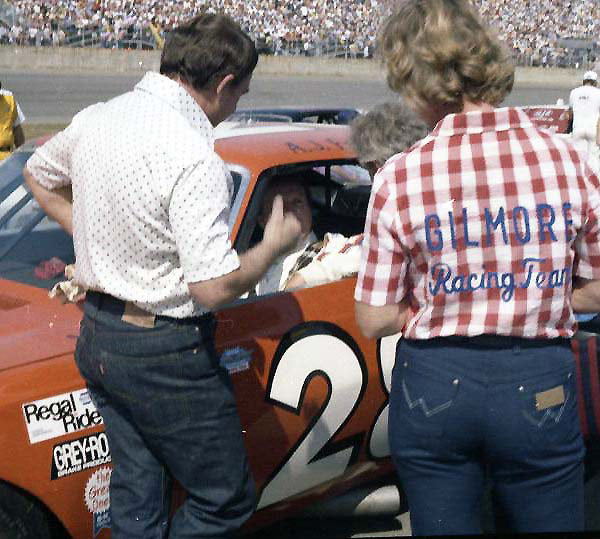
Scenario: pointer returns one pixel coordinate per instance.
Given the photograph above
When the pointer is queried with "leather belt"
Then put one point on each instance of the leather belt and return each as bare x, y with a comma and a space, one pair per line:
502, 341
132, 314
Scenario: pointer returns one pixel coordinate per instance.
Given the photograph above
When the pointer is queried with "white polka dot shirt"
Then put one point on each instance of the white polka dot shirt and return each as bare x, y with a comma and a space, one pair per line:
150, 196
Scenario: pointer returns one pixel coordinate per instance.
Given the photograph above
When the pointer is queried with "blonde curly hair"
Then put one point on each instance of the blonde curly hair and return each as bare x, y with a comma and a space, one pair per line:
440, 52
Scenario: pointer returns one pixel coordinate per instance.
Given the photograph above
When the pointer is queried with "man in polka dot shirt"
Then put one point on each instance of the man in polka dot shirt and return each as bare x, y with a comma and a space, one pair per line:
138, 183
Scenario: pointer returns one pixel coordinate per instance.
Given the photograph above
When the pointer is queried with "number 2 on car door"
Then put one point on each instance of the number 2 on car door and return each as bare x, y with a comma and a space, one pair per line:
325, 350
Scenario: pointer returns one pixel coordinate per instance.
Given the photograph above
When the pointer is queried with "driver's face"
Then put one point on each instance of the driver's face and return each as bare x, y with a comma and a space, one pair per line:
294, 200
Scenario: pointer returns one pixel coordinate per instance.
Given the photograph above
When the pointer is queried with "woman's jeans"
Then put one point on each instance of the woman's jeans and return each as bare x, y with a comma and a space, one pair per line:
169, 412
461, 408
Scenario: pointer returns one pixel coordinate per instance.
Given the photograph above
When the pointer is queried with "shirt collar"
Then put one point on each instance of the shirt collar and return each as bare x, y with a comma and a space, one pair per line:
469, 123
175, 95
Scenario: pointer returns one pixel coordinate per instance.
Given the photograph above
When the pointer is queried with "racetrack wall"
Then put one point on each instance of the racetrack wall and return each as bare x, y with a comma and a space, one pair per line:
93, 60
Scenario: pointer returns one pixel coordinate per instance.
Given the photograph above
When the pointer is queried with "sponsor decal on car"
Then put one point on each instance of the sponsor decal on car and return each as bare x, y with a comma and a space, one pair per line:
97, 498
79, 454
59, 415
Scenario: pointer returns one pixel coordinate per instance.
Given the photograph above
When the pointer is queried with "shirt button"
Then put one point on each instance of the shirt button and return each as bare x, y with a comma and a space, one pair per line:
197, 329
195, 351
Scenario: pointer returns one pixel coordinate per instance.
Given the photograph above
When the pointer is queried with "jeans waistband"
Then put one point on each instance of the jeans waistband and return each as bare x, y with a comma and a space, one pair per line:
497, 341
99, 301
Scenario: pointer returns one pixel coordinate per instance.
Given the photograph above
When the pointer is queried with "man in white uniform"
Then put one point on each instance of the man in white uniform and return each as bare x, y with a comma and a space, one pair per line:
584, 102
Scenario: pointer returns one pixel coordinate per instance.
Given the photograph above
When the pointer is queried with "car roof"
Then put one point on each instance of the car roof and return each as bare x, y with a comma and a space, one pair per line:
258, 146
296, 111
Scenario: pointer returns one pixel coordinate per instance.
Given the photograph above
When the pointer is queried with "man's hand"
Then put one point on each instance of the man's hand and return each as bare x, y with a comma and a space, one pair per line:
282, 230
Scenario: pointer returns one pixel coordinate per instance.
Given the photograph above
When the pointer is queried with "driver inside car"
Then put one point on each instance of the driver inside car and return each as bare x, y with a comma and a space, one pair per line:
384, 131
295, 199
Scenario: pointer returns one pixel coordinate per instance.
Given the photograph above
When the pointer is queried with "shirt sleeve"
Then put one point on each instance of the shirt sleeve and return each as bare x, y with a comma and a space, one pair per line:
199, 217
50, 164
339, 258
383, 264
587, 244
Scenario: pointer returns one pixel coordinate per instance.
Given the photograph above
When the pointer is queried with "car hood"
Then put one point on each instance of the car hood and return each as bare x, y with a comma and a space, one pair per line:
34, 327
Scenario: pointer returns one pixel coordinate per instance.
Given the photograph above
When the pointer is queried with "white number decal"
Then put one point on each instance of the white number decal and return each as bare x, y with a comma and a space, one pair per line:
315, 355
379, 446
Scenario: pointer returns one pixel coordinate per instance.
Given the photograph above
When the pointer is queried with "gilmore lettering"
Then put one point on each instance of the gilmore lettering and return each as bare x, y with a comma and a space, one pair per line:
498, 226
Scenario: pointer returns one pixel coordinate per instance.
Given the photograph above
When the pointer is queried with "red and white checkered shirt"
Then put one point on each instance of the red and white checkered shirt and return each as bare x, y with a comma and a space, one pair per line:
482, 225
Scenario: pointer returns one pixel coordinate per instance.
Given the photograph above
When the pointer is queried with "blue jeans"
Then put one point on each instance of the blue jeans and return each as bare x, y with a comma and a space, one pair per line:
169, 412
459, 407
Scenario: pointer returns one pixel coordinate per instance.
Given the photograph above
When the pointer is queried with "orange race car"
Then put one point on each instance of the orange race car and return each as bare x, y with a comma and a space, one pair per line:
312, 391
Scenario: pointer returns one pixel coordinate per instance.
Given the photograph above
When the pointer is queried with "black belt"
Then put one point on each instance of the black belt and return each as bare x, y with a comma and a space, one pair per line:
110, 304
500, 341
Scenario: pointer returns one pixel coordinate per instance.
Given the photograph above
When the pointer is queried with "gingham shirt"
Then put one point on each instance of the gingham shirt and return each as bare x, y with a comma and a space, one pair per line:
150, 196
483, 225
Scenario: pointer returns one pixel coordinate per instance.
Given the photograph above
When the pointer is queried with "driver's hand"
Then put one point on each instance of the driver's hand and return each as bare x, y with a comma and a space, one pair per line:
282, 230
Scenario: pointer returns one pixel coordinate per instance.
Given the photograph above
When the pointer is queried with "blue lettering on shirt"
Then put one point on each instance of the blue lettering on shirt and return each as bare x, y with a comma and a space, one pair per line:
444, 280
498, 227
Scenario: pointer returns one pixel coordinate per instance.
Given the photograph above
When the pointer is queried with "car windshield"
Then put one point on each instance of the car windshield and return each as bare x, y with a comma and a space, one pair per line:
33, 249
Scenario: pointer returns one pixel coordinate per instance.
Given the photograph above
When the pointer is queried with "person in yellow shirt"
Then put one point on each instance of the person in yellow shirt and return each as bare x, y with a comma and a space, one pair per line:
11, 121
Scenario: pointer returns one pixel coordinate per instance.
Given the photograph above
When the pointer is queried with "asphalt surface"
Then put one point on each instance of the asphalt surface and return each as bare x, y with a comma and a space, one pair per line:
55, 98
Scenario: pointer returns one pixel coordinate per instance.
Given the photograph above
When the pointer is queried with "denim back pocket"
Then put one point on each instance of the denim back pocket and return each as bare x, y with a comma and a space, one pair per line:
556, 419
424, 398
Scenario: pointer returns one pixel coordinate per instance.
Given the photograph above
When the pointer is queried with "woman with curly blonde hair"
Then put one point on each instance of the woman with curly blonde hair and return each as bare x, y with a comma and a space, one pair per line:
480, 242
438, 53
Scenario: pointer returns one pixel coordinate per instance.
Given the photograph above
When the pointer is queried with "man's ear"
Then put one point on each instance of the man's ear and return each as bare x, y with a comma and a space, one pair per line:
227, 79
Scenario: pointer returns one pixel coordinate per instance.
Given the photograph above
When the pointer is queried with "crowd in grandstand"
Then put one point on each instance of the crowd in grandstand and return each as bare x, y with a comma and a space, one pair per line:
532, 28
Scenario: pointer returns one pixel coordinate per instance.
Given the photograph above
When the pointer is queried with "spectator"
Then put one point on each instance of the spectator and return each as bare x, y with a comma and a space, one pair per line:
584, 106
11, 123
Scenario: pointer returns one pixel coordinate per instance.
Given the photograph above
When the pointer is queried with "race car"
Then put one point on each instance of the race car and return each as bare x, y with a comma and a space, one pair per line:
312, 392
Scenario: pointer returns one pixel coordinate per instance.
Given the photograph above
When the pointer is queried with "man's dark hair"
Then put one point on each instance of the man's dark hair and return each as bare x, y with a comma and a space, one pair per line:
207, 48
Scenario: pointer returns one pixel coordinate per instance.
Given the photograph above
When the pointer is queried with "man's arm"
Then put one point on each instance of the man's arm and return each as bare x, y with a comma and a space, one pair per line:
281, 232
586, 296
57, 203
375, 322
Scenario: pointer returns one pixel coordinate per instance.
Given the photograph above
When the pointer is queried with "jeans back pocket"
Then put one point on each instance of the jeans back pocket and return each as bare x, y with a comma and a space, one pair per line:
423, 398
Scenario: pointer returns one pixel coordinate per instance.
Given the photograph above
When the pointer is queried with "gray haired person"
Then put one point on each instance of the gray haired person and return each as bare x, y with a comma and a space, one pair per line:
385, 130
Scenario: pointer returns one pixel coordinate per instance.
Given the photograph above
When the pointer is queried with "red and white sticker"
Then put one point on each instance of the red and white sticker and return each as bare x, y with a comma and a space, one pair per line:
97, 497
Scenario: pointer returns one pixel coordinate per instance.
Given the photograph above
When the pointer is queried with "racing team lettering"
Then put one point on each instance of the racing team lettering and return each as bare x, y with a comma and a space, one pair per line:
79, 454
508, 227
61, 414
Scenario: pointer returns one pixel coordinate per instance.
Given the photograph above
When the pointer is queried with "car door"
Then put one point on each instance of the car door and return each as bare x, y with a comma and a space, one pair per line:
311, 391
